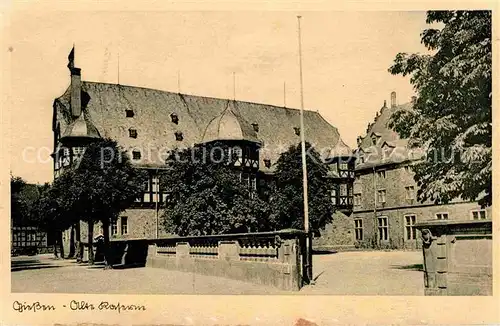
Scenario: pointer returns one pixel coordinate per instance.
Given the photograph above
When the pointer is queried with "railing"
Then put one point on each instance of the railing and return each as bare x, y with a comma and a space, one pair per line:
270, 258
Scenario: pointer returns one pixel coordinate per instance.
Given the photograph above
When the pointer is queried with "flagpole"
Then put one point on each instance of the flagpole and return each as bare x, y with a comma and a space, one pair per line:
304, 164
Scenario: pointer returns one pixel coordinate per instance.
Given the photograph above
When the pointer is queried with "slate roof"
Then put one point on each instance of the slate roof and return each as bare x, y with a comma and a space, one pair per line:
390, 148
81, 127
152, 109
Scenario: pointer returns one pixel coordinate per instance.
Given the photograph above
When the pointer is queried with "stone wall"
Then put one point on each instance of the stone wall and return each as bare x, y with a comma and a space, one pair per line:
267, 258
338, 235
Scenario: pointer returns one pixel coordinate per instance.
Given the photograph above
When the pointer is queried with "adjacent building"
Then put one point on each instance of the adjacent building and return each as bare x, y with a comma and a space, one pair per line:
385, 205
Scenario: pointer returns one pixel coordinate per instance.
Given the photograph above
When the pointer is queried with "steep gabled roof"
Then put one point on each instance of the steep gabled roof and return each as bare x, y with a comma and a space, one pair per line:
388, 138
156, 131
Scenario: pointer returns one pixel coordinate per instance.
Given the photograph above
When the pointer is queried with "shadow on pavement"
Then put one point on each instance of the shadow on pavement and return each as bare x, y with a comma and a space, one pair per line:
413, 267
324, 252
31, 265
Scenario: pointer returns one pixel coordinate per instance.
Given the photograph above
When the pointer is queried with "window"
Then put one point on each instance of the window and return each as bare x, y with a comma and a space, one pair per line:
343, 166
410, 231
333, 195
78, 151
245, 179
410, 192
407, 168
155, 188
132, 133
179, 136
383, 228
267, 163
297, 130
129, 113
136, 155
238, 152
343, 189
381, 196
478, 214
114, 227
374, 140
174, 118
147, 189
253, 182
442, 216
381, 174
124, 225
357, 199
358, 229
255, 127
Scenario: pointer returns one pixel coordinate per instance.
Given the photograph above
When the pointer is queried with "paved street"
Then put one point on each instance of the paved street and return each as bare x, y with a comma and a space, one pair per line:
349, 273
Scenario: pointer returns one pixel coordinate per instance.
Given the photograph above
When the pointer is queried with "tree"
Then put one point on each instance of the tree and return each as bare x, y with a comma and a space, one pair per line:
287, 201
97, 188
208, 196
102, 185
52, 212
18, 201
451, 116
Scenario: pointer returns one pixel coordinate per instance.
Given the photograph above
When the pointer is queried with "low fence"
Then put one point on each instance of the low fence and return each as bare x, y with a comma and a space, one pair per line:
269, 258
457, 257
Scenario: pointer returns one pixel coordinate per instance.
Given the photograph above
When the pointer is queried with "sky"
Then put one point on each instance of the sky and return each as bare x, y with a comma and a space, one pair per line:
346, 56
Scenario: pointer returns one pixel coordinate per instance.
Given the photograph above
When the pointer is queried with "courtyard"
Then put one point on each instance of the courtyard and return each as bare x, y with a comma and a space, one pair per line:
344, 273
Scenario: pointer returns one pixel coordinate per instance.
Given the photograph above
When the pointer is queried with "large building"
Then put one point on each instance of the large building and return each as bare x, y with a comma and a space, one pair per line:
147, 123
385, 205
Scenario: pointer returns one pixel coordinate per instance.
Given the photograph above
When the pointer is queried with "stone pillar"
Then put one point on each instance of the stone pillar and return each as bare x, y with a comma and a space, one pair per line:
457, 257
229, 250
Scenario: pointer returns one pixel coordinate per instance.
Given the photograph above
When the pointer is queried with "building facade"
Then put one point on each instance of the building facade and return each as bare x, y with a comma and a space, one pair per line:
385, 192
147, 123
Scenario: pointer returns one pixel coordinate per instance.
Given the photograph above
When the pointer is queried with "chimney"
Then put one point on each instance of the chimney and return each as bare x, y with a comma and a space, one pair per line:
76, 86
385, 104
393, 99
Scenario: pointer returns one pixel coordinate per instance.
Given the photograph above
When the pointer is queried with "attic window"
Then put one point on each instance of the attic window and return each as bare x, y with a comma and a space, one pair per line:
255, 127
175, 118
132, 133
129, 113
267, 163
136, 155
375, 138
179, 136
297, 130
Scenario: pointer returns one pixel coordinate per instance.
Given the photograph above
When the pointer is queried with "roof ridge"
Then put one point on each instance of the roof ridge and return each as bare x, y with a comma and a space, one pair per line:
203, 96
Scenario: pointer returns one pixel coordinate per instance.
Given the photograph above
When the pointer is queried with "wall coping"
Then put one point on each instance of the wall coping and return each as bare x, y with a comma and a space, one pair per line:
286, 233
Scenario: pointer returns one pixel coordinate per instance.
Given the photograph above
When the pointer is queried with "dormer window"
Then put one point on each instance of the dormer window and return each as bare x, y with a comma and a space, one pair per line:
374, 140
136, 155
179, 136
132, 133
255, 127
267, 163
174, 118
129, 113
297, 130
